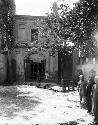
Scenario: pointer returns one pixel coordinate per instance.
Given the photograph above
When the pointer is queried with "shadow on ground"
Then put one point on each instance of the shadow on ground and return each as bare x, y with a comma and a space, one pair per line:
70, 123
12, 102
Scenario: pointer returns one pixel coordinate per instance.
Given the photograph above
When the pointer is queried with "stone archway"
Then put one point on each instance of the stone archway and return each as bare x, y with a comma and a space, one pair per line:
35, 63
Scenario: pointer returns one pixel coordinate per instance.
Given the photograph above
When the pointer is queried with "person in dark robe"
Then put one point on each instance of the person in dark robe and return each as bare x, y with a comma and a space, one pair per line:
89, 93
95, 101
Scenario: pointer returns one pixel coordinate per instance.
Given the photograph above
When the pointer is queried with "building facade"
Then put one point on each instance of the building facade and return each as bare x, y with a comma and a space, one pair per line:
29, 63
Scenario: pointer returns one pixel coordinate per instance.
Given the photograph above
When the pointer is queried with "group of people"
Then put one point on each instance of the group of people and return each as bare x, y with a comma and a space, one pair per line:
88, 92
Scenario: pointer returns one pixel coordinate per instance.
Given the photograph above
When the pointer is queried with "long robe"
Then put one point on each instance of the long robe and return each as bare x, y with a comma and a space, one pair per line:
89, 93
95, 100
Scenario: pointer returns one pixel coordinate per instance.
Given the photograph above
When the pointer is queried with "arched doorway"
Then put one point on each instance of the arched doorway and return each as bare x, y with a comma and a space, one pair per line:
35, 67
37, 71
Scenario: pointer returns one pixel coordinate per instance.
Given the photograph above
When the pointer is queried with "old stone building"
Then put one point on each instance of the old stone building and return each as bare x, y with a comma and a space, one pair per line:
29, 63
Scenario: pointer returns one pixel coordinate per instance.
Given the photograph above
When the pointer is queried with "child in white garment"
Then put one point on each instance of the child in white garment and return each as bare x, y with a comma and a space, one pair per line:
46, 76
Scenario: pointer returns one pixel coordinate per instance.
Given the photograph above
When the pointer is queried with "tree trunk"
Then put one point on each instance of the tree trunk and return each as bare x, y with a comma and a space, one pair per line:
9, 68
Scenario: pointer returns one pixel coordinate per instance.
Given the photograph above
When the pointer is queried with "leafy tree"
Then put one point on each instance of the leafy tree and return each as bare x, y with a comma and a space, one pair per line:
57, 23
77, 24
7, 11
52, 31
82, 22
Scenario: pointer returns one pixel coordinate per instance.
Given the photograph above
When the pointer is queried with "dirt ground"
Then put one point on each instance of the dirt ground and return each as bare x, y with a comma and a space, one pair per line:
29, 105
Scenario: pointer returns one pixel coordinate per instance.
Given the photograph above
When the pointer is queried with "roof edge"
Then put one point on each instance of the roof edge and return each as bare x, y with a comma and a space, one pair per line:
28, 17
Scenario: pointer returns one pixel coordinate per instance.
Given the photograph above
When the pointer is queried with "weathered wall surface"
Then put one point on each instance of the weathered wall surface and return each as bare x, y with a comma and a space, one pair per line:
3, 68
18, 57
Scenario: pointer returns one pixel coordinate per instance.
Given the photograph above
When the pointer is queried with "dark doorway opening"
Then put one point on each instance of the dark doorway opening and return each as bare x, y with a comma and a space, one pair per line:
37, 71
65, 65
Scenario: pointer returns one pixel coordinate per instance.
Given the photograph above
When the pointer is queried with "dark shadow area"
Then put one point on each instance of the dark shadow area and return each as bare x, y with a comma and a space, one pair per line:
34, 71
70, 123
65, 65
68, 106
84, 106
13, 61
12, 102
69, 100
37, 71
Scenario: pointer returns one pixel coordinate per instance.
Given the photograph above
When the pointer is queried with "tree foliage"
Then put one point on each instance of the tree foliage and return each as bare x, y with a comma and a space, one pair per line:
82, 22
77, 24
7, 11
56, 24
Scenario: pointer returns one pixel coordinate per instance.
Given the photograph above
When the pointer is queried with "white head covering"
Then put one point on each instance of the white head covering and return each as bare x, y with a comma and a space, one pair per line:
96, 81
80, 76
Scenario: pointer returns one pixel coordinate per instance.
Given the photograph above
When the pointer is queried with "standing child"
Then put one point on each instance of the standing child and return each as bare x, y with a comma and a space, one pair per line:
82, 89
46, 76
